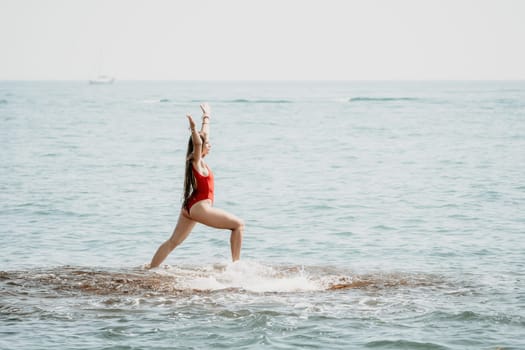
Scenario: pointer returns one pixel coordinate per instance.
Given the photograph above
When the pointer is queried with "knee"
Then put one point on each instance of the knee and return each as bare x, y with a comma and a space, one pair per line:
239, 225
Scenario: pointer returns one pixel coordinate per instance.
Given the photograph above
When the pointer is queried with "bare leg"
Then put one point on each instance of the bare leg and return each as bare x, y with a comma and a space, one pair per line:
181, 231
204, 213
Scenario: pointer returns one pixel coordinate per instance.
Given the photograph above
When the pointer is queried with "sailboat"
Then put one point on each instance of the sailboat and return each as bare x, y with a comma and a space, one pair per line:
102, 79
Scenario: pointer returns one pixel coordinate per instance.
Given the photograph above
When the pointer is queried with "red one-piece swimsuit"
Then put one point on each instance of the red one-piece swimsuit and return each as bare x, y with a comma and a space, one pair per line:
204, 188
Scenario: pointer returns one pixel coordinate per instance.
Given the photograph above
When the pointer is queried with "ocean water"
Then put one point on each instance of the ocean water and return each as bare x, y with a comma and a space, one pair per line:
379, 215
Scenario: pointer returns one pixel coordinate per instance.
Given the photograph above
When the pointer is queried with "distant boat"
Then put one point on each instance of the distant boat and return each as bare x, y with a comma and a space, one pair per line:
102, 79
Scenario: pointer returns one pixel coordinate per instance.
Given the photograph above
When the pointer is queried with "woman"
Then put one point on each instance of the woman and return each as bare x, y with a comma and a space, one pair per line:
198, 196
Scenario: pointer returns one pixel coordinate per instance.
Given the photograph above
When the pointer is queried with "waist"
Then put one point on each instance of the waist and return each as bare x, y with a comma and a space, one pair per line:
203, 194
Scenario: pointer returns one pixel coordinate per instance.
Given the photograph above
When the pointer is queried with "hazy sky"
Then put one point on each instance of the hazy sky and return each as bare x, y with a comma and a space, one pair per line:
262, 39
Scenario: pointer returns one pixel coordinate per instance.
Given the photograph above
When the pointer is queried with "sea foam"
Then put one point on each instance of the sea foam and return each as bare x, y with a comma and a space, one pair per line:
254, 277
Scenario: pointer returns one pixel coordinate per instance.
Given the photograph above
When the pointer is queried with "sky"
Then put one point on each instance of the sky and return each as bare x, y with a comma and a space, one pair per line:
262, 39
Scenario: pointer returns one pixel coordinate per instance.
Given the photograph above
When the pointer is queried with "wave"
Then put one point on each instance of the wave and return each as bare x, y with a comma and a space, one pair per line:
478, 317
247, 101
238, 100
242, 100
382, 99
157, 100
242, 276
286, 101
404, 344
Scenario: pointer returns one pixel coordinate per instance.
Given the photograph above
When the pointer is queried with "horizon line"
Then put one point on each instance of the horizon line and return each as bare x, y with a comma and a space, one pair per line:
276, 80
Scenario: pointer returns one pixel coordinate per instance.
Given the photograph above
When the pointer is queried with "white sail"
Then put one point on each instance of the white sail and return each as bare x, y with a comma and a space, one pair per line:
102, 79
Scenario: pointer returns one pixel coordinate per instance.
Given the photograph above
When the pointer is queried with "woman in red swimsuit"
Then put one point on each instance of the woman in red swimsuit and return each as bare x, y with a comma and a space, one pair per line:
198, 196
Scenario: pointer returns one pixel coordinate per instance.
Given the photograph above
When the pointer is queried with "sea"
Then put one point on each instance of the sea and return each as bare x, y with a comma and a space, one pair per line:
379, 215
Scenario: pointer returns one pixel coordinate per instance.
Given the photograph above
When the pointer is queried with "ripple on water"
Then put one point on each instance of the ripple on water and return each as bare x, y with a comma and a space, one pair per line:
130, 303
404, 344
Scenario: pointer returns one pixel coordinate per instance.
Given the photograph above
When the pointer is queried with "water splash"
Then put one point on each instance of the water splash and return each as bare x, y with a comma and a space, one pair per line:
254, 277
241, 277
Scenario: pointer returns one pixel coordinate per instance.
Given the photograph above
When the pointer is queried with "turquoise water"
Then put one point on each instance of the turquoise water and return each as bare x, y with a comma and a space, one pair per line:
382, 215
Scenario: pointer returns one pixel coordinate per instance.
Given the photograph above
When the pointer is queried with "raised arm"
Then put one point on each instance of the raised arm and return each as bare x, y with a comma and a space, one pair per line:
196, 139
205, 128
